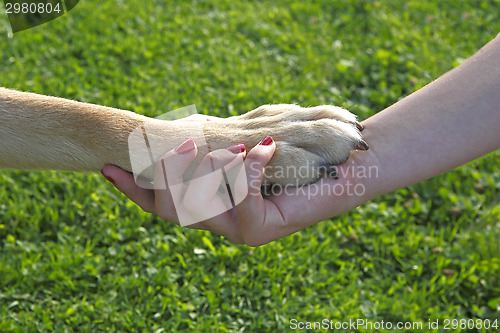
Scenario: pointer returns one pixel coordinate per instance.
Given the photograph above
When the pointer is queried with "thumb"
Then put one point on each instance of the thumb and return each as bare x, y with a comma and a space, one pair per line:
255, 161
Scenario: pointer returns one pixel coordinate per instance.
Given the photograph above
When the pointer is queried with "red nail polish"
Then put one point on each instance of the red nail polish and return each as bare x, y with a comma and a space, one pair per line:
111, 180
237, 148
267, 141
185, 147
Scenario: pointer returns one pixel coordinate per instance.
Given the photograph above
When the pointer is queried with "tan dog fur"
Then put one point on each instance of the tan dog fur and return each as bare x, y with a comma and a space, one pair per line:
40, 132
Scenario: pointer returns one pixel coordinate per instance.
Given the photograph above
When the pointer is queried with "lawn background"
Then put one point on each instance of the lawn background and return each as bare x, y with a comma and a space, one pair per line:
76, 255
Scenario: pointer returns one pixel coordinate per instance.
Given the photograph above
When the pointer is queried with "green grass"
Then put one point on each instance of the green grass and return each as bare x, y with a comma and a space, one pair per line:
76, 255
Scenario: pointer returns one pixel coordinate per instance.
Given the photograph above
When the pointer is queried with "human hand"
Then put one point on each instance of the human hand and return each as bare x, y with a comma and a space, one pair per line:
189, 203
253, 221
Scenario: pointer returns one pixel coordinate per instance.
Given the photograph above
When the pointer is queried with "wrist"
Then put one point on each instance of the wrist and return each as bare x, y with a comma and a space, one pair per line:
358, 177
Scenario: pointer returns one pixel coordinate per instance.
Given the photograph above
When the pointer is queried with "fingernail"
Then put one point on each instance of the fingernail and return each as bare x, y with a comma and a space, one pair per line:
111, 180
362, 145
185, 147
267, 141
237, 148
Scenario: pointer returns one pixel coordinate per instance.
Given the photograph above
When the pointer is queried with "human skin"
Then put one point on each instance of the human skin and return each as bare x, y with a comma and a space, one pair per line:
451, 121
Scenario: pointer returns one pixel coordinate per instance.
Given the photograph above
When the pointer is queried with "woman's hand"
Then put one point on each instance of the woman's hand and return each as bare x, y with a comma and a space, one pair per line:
199, 203
254, 220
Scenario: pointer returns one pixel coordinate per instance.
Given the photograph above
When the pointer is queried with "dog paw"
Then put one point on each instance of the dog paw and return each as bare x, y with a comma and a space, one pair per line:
309, 141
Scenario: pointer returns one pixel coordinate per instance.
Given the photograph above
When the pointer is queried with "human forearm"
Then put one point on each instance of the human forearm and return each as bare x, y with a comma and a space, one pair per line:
450, 122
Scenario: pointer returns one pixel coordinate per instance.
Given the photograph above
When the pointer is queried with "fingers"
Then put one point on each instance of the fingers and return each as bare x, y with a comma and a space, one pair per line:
124, 181
189, 201
246, 223
255, 162
204, 193
209, 176
168, 179
200, 203
257, 216
207, 198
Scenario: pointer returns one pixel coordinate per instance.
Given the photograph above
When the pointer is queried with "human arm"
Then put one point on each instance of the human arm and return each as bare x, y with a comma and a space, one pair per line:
449, 122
